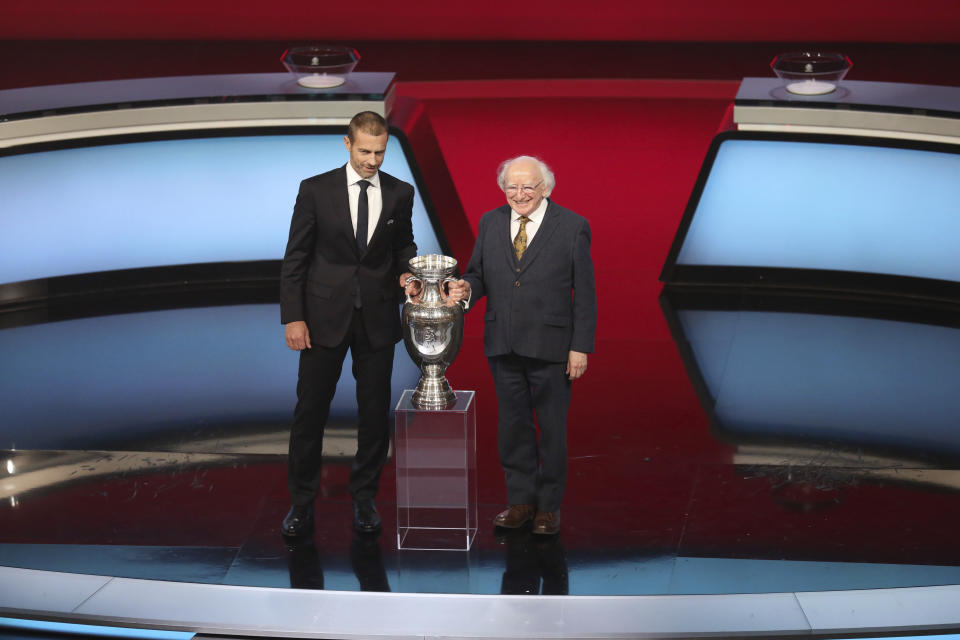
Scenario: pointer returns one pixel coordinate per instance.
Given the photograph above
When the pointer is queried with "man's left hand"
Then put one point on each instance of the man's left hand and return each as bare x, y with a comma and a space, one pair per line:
458, 291
576, 364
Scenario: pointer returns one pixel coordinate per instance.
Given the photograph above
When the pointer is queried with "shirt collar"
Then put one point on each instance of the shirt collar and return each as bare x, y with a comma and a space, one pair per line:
537, 214
353, 177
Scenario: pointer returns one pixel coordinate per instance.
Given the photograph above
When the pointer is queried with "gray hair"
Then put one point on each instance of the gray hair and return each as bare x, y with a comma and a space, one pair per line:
548, 180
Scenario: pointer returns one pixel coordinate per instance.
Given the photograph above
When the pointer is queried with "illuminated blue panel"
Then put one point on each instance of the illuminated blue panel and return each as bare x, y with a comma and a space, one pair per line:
121, 379
836, 378
167, 202
41, 626
771, 203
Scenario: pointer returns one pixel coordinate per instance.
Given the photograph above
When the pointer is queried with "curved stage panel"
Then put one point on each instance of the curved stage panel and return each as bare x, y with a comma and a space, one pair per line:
233, 611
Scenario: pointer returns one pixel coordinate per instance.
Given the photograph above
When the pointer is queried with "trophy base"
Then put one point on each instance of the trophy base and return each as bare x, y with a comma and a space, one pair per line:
433, 394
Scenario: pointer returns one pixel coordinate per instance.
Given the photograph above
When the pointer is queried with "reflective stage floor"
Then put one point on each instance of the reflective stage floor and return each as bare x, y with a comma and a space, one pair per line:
707, 528
767, 444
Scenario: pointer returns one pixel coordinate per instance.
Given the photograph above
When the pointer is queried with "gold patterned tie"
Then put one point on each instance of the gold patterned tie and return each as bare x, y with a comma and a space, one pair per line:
520, 242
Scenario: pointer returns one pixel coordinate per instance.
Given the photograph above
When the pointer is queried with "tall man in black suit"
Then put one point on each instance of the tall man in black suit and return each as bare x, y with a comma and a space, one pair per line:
532, 261
350, 239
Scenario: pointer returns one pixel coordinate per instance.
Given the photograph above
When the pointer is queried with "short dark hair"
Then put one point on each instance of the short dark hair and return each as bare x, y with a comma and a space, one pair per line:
370, 122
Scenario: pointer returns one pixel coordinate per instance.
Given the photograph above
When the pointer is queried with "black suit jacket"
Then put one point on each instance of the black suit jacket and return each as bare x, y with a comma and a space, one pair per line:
544, 305
322, 266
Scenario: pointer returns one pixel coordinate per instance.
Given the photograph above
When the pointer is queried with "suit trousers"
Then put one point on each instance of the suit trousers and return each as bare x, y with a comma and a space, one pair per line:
535, 469
320, 369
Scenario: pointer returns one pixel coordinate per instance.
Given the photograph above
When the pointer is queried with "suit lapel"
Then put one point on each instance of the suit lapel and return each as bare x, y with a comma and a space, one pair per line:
388, 196
340, 205
548, 224
503, 231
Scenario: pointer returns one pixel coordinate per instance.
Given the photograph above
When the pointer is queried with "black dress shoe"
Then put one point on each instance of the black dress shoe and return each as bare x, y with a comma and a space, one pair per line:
299, 520
365, 516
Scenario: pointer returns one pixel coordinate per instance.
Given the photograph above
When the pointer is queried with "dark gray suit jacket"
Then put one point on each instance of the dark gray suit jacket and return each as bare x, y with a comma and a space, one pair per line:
545, 305
323, 265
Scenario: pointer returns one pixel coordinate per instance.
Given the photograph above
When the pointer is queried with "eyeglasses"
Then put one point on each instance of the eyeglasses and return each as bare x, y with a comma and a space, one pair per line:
527, 190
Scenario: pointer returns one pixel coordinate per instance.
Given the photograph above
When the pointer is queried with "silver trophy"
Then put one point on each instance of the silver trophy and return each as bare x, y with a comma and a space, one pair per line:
432, 330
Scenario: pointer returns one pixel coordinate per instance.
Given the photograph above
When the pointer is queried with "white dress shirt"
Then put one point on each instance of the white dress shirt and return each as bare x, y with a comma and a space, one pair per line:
536, 220
374, 199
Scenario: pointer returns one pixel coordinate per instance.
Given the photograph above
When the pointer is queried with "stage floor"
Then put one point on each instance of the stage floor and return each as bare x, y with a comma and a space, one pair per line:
215, 519
755, 451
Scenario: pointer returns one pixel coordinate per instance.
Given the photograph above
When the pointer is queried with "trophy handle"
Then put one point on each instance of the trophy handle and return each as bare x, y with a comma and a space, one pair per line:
408, 281
461, 303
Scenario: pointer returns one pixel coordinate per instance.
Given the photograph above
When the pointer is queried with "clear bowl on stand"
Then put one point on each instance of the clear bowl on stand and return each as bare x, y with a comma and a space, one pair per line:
811, 73
320, 66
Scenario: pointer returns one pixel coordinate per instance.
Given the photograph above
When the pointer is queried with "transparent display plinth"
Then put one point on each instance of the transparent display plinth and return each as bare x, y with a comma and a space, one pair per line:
436, 455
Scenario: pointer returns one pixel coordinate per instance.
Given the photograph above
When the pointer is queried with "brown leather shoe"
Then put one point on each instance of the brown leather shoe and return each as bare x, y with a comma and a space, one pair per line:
547, 523
515, 517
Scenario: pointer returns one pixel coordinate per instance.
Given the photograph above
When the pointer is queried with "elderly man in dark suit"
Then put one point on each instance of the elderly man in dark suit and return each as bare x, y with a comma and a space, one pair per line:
532, 261
351, 236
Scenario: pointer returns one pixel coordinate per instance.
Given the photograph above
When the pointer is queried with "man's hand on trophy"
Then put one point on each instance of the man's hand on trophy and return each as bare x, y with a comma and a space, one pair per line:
411, 286
297, 335
457, 291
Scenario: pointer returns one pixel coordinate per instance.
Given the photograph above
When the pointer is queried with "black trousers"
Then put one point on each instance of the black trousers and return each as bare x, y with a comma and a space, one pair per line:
535, 469
320, 369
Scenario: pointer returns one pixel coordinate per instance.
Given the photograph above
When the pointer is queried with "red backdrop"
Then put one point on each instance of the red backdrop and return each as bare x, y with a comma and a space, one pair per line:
621, 20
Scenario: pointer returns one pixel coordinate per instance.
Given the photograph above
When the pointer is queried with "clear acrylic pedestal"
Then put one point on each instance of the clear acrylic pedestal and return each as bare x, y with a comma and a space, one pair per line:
436, 456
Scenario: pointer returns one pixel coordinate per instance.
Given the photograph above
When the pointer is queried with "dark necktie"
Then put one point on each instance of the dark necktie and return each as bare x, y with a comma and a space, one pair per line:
363, 215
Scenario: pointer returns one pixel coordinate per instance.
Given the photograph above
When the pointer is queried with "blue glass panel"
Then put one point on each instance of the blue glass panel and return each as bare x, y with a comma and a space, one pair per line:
830, 378
115, 381
44, 626
805, 205
165, 202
